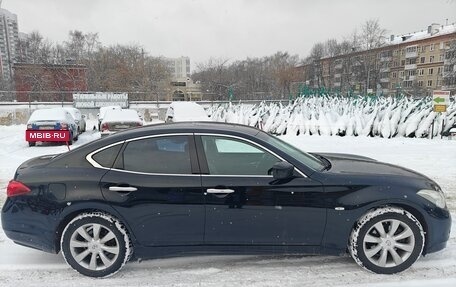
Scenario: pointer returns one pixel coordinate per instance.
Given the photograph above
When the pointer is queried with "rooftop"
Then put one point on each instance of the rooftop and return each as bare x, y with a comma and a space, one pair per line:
433, 30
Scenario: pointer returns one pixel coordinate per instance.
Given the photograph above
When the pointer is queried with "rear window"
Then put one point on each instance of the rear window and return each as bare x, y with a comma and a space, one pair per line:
106, 157
165, 155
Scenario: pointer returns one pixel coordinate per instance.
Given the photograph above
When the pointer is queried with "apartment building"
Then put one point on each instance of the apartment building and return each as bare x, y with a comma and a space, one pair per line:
182, 87
9, 37
415, 64
179, 67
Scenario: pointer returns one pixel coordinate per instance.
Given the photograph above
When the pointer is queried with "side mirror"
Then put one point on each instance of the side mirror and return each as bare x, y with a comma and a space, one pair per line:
282, 170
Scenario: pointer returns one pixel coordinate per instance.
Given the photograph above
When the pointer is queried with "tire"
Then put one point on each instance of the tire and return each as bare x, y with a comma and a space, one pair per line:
32, 143
70, 142
96, 244
386, 240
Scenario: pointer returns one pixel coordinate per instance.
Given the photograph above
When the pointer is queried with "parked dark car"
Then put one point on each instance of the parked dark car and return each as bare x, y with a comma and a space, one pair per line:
189, 188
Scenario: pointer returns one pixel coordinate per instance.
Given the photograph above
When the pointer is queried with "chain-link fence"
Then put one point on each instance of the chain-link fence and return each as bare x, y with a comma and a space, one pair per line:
67, 96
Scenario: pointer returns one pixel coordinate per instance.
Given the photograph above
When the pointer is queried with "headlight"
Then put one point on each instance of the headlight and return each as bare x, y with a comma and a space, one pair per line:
436, 197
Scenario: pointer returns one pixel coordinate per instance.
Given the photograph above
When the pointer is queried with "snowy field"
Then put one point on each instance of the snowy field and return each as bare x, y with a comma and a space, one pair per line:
21, 266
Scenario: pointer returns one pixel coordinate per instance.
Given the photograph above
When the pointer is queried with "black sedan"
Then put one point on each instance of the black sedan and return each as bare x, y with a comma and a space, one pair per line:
212, 188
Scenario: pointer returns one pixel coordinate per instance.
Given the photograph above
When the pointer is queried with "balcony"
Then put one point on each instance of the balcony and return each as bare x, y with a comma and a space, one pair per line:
385, 59
338, 66
410, 67
336, 84
384, 70
411, 54
410, 78
337, 76
384, 80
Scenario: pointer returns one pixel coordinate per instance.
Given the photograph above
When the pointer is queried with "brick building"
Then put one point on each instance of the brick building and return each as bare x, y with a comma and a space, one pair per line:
415, 63
48, 82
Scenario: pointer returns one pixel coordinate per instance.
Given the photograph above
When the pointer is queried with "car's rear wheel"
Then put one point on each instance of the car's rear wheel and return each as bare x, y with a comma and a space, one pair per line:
387, 240
32, 143
96, 244
70, 141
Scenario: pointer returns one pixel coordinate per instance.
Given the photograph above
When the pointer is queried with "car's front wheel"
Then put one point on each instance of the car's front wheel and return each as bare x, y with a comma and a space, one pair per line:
96, 244
387, 240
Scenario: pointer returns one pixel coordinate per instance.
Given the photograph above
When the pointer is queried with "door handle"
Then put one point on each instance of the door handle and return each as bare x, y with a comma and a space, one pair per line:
219, 191
123, 188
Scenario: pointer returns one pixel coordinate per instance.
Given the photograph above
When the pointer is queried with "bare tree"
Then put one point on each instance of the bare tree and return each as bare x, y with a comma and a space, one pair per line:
260, 78
283, 71
127, 68
363, 67
213, 76
315, 64
75, 47
35, 50
372, 35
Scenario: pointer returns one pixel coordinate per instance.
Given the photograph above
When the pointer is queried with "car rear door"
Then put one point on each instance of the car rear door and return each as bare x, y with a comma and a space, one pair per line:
246, 206
156, 186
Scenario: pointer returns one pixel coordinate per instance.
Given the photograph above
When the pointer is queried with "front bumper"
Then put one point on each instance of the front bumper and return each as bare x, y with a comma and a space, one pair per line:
438, 230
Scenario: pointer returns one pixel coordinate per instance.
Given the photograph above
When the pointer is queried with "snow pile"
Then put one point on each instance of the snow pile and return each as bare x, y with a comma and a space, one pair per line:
342, 116
123, 115
55, 114
186, 111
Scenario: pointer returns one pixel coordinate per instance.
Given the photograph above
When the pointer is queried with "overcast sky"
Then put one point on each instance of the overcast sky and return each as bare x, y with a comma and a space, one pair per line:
229, 29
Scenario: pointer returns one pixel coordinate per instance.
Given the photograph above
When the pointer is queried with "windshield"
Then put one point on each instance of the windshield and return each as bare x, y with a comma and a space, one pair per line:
307, 159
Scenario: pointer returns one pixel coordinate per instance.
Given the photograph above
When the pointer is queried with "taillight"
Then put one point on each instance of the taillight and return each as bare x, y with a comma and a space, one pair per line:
63, 126
16, 188
139, 124
104, 127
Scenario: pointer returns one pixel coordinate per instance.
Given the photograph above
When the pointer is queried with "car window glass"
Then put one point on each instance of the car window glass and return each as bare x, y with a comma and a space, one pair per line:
231, 146
307, 159
168, 155
227, 156
106, 157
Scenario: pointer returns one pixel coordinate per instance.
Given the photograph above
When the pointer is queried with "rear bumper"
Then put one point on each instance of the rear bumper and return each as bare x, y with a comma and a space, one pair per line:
31, 230
30, 240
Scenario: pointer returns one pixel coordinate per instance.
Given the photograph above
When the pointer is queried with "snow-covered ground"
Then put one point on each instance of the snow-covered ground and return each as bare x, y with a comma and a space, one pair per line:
21, 266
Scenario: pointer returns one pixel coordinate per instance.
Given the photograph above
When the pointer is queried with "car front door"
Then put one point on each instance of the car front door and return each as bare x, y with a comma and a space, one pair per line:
246, 206
155, 185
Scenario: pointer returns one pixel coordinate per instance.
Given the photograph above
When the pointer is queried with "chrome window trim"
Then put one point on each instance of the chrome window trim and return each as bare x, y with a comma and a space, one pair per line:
159, 135
236, 175
253, 143
157, 174
97, 165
